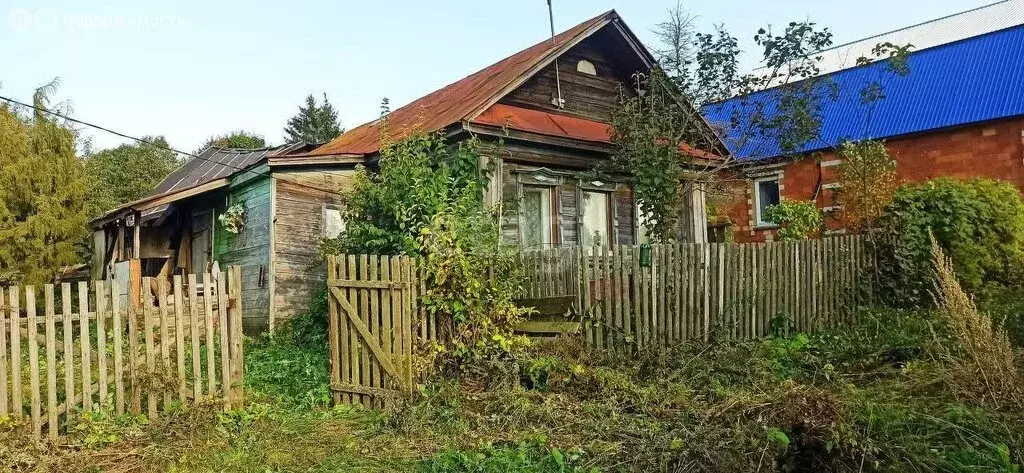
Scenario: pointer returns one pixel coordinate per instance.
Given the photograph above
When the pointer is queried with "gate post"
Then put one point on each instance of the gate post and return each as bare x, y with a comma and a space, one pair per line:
235, 321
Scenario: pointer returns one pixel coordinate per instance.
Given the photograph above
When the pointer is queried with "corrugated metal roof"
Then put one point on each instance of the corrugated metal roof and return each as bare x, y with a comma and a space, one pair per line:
978, 21
969, 81
458, 101
212, 163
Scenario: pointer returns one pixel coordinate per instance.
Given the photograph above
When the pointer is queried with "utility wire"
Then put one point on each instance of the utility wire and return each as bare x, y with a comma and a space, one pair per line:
167, 148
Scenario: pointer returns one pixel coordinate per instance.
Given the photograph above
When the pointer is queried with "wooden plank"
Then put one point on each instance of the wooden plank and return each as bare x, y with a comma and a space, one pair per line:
388, 339
357, 324
209, 321
179, 336
344, 356
611, 337
69, 352
625, 305
165, 333
353, 342
677, 292
364, 284
561, 328
133, 348
349, 389
235, 317
333, 330
118, 332
636, 310
3, 356
362, 296
584, 291
33, 360
407, 311
85, 342
17, 398
225, 343
51, 364
381, 319
99, 289
193, 325
598, 299
147, 323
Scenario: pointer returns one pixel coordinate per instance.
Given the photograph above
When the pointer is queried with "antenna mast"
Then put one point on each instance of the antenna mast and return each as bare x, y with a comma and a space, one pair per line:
557, 101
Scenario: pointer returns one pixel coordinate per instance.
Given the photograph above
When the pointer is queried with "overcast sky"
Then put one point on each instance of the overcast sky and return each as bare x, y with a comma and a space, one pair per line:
189, 69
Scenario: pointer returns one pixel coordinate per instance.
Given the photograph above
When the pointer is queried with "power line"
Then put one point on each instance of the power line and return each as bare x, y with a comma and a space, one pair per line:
167, 148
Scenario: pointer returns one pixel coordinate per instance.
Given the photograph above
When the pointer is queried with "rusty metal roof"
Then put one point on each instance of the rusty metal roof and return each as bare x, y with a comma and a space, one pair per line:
564, 126
463, 99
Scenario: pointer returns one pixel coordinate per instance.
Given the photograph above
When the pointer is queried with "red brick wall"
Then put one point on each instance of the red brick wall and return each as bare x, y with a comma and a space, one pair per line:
993, 150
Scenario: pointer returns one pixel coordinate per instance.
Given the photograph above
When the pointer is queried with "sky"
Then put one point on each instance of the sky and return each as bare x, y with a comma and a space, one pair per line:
189, 69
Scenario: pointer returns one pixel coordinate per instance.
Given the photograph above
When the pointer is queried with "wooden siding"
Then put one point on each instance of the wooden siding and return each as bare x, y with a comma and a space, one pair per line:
568, 196
298, 228
588, 96
249, 249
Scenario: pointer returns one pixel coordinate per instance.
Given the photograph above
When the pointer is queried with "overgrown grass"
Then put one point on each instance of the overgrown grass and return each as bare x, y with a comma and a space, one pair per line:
875, 397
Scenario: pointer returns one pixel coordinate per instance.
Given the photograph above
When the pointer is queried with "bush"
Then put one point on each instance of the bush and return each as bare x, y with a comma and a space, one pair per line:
798, 219
979, 223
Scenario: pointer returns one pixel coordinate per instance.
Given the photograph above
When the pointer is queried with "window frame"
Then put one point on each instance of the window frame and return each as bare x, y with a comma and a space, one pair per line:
552, 214
609, 198
759, 221
323, 215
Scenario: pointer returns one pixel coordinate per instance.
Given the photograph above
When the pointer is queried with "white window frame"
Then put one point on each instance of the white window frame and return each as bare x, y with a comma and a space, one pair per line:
331, 208
759, 221
609, 231
549, 216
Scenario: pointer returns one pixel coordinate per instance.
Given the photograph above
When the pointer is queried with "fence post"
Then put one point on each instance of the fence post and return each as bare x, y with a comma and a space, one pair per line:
235, 317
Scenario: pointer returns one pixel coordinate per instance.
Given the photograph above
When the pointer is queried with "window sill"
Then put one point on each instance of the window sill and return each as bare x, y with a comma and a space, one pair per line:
766, 226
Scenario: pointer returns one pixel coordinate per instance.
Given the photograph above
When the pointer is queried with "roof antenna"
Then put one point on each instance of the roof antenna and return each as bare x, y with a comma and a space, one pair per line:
557, 101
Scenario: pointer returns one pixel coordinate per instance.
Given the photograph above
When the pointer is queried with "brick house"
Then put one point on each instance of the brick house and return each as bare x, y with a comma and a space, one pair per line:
959, 113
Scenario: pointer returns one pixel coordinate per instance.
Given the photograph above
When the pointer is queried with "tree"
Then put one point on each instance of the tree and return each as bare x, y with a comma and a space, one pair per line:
314, 123
869, 182
127, 172
235, 140
43, 211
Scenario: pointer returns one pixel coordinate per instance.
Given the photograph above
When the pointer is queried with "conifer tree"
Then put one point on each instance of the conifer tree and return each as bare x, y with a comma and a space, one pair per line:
43, 211
314, 123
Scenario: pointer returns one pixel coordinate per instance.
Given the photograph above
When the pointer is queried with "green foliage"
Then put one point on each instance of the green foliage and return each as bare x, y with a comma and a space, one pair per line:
291, 367
979, 223
128, 172
648, 129
234, 140
527, 457
43, 211
869, 181
426, 200
418, 179
314, 123
98, 429
797, 220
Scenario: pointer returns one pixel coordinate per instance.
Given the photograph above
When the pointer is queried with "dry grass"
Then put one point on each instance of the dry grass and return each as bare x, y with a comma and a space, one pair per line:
983, 369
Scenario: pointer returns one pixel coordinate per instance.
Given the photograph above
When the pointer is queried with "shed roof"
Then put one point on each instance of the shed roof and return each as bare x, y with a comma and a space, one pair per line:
974, 80
464, 99
212, 163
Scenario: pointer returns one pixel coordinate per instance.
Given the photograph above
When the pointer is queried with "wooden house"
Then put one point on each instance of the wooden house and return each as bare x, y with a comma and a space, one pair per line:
550, 103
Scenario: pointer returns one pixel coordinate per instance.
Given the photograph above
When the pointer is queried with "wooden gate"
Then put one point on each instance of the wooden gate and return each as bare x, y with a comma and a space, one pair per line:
371, 306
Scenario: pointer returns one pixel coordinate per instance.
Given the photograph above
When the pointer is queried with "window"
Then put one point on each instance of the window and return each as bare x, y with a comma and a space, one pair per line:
586, 67
766, 194
537, 213
334, 225
596, 228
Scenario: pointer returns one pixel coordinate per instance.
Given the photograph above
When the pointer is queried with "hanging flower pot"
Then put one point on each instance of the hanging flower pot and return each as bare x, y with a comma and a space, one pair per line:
233, 218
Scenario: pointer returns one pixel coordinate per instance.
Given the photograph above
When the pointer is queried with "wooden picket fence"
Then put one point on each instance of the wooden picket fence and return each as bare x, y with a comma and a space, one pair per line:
624, 298
98, 350
616, 297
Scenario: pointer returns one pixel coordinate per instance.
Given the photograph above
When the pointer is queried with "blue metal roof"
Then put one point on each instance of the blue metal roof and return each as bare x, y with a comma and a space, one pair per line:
973, 80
